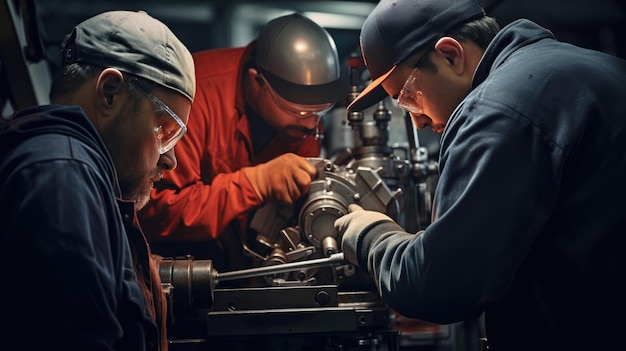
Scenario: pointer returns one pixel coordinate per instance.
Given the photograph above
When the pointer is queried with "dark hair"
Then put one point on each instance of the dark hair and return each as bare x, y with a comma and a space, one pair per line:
72, 76
480, 31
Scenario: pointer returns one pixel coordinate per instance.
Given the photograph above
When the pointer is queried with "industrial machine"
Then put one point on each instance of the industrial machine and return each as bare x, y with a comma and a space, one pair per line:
305, 297
302, 294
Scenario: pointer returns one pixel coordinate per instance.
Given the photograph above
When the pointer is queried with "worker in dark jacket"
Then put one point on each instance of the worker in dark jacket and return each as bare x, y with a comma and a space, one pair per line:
78, 272
529, 224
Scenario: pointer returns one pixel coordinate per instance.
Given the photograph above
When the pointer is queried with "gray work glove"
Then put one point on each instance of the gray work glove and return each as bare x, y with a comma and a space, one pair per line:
353, 226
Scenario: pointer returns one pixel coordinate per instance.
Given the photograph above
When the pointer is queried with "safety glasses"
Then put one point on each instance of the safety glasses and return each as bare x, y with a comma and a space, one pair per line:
295, 110
169, 130
410, 97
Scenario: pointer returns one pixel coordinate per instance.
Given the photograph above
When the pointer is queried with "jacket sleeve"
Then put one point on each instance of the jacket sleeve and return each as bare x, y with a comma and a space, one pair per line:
198, 210
498, 184
62, 259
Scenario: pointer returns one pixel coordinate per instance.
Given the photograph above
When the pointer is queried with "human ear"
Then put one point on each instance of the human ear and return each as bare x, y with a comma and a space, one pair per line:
454, 53
109, 85
254, 75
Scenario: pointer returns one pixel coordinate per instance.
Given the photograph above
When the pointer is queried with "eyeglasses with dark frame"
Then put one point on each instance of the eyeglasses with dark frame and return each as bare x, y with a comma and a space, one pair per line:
410, 97
169, 132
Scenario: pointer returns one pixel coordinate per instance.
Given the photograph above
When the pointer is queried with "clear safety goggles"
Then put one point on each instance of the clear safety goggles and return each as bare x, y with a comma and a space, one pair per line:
169, 130
410, 97
300, 111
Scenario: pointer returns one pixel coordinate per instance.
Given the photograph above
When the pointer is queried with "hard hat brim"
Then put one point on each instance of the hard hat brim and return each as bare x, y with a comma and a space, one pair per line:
309, 94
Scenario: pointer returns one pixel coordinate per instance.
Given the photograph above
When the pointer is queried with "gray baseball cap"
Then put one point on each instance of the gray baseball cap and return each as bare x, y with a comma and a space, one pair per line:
135, 43
395, 29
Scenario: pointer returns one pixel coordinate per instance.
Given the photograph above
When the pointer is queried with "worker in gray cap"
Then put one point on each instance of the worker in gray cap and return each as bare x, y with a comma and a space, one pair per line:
79, 273
528, 225
255, 118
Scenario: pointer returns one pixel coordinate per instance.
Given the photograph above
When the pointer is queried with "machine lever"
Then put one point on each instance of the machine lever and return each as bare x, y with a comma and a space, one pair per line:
333, 260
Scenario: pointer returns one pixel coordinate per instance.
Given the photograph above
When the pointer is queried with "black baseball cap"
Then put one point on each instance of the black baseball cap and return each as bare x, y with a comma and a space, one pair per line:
135, 43
396, 29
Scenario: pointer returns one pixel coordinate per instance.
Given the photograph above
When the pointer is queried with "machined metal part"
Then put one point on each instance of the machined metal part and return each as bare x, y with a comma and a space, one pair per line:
330, 195
305, 231
189, 284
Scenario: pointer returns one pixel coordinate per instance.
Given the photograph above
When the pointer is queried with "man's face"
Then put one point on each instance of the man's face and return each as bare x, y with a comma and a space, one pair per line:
407, 85
134, 143
429, 86
293, 122
289, 128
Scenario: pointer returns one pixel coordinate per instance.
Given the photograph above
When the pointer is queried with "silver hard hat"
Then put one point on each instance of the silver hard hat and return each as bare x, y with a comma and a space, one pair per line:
299, 59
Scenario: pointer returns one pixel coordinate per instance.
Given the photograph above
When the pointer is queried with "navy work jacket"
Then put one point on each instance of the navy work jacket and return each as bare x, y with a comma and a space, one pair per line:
71, 257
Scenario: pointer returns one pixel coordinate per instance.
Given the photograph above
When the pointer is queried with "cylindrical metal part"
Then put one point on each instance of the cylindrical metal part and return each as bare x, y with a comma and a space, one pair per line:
191, 283
330, 245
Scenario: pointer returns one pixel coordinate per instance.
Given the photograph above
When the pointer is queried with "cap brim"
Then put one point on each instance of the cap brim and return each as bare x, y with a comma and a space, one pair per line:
372, 94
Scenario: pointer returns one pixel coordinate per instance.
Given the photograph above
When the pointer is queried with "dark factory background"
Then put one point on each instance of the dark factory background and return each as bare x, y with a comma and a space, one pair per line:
204, 24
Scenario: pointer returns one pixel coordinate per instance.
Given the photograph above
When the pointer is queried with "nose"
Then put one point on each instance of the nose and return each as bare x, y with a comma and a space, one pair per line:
168, 161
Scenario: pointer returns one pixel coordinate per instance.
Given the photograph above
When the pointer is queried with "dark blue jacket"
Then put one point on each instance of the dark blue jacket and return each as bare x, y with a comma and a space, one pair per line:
69, 278
529, 223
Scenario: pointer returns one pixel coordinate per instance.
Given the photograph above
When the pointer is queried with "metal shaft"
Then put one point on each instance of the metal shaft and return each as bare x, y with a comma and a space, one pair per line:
333, 260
